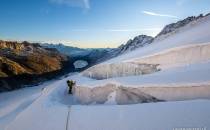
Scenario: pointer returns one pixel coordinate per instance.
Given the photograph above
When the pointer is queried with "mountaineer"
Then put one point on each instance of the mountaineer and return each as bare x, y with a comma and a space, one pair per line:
70, 84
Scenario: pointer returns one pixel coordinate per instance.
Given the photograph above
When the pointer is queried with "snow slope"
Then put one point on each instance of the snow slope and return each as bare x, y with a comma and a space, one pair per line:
42, 114
49, 112
152, 116
12, 104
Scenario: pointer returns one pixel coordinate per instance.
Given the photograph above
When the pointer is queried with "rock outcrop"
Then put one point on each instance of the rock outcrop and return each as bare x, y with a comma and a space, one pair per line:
132, 44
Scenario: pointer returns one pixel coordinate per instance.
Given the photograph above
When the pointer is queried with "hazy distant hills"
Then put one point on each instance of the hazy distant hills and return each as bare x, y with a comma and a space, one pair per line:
91, 55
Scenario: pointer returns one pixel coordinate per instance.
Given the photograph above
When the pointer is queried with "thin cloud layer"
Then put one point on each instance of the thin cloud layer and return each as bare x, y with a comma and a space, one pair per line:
160, 15
86, 4
116, 30
182, 2
74, 3
133, 30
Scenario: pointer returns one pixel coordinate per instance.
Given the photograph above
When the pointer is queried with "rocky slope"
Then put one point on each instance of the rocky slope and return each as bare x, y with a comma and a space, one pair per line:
132, 44
173, 27
25, 61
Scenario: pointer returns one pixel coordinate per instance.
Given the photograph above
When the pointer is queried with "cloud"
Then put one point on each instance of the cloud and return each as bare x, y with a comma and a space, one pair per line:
133, 30
160, 15
182, 2
79, 30
116, 30
85, 4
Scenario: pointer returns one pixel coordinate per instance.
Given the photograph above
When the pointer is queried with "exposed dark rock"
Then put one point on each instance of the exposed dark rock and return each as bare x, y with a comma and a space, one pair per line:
174, 26
138, 41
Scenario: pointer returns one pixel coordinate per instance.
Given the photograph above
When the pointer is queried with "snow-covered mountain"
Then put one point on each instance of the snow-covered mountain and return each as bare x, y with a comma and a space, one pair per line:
174, 67
142, 40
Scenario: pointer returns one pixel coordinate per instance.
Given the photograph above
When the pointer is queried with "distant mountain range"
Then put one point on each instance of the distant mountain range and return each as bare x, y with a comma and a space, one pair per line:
93, 55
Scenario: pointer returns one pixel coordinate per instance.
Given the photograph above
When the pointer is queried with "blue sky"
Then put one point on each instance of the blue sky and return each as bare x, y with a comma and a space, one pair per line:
91, 23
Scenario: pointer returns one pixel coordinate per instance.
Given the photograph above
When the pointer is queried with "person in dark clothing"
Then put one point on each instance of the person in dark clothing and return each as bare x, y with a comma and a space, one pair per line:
70, 84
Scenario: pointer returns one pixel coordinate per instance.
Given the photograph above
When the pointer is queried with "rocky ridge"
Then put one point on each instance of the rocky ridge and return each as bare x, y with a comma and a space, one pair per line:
175, 26
132, 44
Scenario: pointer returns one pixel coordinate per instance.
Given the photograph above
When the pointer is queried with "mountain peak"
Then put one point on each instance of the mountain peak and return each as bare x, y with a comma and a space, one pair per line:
136, 42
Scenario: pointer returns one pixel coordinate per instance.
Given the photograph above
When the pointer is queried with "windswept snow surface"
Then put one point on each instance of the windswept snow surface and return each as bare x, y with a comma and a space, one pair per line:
13, 103
150, 116
46, 113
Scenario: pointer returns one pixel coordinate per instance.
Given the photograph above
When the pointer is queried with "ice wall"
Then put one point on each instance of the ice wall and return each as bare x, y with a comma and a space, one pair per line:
134, 95
175, 57
101, 95
105, 71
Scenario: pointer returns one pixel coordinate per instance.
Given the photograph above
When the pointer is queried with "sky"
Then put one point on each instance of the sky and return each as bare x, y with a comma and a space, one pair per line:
91, 23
